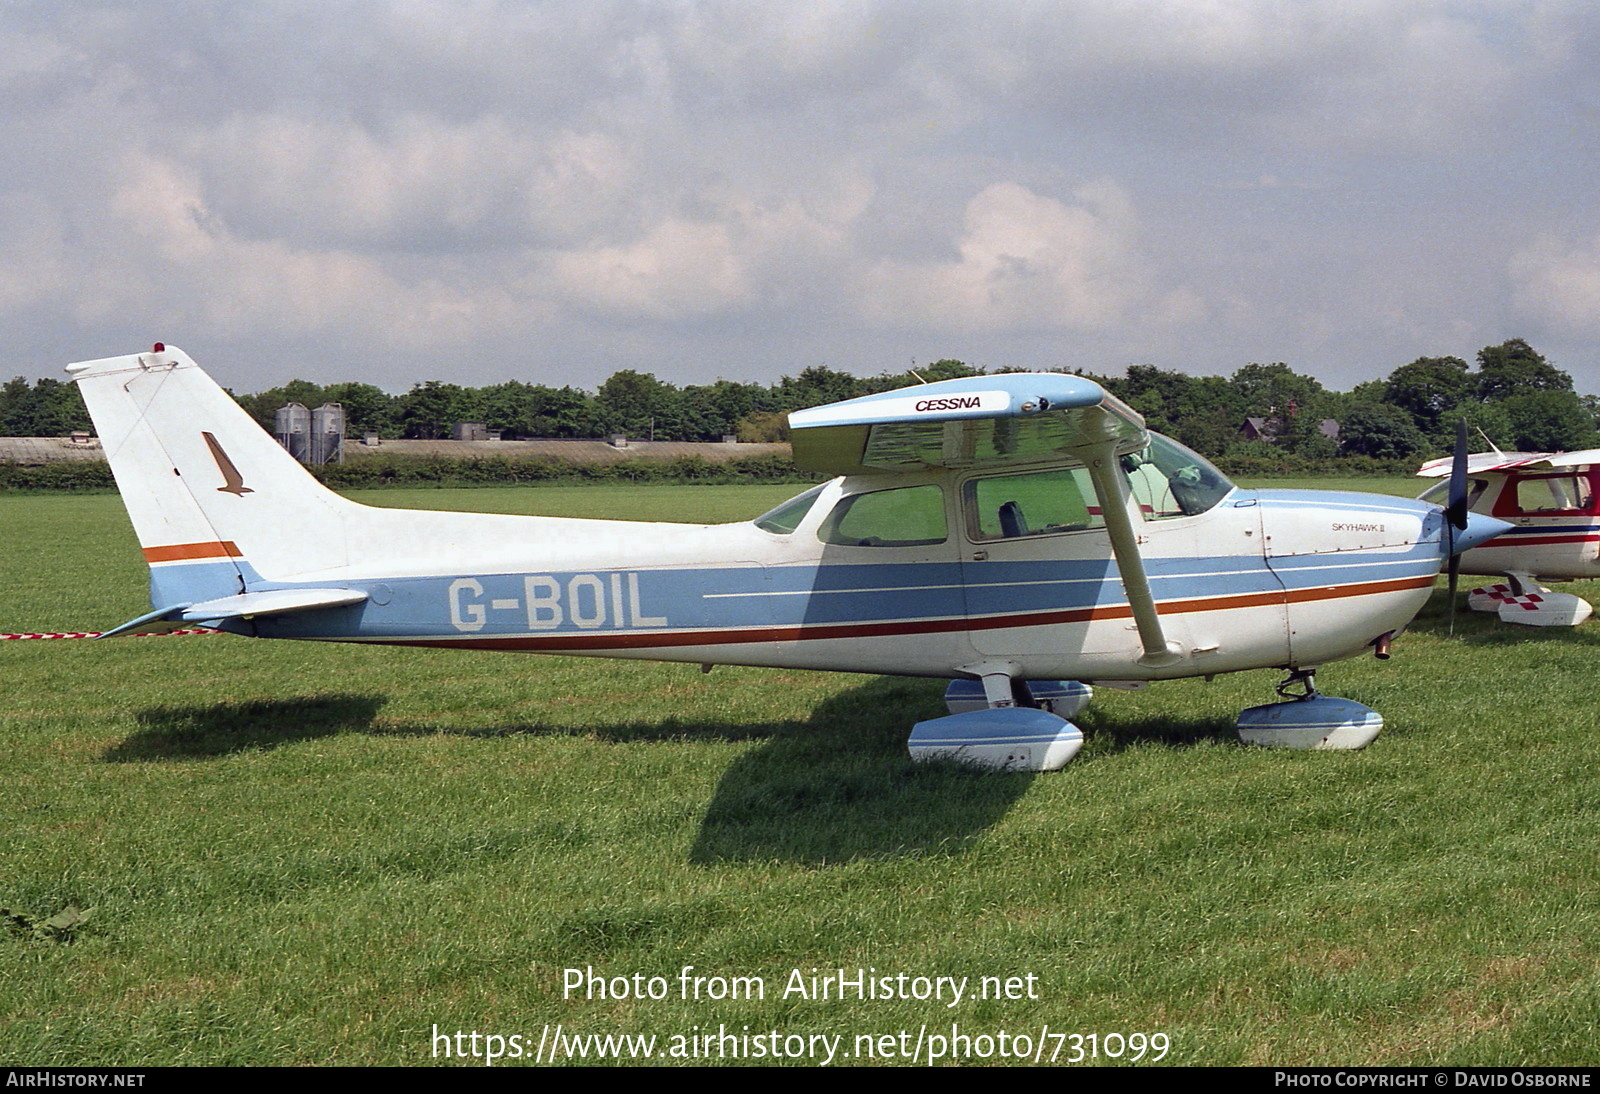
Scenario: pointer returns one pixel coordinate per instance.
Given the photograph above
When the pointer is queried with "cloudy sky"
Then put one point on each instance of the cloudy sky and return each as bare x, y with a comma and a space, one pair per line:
552, 190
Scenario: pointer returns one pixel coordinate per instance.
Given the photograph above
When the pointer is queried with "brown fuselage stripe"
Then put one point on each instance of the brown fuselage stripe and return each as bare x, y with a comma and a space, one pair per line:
800, 632
179, 552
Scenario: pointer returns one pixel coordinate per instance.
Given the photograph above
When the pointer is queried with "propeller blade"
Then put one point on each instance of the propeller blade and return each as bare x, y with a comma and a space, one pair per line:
1455, 575
1456, 510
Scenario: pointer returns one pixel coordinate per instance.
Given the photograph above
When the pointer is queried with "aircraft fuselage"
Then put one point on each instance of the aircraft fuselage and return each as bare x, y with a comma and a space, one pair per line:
1262, 578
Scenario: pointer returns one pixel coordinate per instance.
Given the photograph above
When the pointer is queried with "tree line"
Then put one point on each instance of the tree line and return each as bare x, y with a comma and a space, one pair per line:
1514, 397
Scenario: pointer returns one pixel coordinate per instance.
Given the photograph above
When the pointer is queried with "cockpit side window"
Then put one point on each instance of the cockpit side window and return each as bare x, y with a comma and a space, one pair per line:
1439, 493
1554, 494
1165, 479
1032, 504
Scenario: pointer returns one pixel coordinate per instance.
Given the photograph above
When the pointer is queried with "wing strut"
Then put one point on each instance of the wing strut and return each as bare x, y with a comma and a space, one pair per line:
1112, 494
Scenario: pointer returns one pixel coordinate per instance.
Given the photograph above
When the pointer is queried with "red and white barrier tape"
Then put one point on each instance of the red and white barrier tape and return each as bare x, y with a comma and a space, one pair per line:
97, 634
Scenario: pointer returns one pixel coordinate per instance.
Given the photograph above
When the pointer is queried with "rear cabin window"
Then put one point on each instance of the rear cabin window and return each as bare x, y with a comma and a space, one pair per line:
787, 517
1035, 504
909, 516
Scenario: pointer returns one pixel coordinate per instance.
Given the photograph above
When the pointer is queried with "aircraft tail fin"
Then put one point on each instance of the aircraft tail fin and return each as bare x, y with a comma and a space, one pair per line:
215, 501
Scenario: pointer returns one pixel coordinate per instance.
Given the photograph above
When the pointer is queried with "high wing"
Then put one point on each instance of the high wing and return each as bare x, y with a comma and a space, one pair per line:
974, 421
1511, 461
989, 421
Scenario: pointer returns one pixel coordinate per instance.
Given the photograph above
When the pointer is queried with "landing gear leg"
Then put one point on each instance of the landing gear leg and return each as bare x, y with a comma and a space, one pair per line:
1305, 679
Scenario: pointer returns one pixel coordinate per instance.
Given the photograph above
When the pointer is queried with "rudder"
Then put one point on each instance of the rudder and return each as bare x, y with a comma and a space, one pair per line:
217, 504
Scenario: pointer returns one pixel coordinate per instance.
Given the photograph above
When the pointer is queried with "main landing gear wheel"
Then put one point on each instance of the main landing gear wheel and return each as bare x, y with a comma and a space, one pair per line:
1309, 719
1004, 723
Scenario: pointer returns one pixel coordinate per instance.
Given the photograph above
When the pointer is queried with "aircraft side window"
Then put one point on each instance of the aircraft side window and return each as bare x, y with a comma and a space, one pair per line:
908, 516
1554, 494
1041, 503
787, 517
1440, 494
1168, 480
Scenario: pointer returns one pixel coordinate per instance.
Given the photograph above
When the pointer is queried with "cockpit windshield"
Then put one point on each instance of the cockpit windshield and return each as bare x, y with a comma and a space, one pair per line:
1169, 480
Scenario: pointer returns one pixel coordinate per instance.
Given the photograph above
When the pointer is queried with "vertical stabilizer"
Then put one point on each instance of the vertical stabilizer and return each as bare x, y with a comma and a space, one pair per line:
215, 501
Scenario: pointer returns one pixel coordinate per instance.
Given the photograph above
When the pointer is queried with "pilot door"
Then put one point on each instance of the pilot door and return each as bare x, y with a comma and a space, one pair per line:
1036, 564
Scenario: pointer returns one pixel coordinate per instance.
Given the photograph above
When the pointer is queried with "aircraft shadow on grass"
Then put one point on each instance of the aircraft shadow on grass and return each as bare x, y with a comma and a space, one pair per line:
833, 789
841, 787
195, 732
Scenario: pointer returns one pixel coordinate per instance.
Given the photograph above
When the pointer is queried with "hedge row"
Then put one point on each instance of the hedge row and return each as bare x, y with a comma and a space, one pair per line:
71, 475
397, 470
1285, 463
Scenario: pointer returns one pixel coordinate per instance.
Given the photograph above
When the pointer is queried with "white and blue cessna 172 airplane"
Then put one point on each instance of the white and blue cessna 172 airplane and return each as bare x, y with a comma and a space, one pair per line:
1004, 532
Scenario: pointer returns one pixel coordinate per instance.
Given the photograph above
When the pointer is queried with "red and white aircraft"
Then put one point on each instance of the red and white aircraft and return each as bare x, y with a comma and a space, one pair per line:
1552, 501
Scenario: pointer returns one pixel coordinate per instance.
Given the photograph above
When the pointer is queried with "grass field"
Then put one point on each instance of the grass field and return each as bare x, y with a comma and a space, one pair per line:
297, 854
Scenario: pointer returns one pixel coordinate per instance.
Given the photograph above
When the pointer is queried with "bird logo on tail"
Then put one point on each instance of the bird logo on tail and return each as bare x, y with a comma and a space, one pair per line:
233, 482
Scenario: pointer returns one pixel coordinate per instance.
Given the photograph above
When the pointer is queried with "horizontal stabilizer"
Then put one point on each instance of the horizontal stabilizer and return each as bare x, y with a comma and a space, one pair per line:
270, 602
161, 621
273, 602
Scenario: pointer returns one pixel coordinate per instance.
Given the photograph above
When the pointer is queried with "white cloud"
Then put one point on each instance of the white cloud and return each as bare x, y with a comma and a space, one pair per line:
732, 184
746, 251
756, 51
585, 184
1341, 75
679, 269
34, 265
176, 258
1559, 284
1025, 261
421, 183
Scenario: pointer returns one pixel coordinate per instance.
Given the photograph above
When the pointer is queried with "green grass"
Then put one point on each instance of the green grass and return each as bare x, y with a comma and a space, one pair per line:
1402, 486
303, 854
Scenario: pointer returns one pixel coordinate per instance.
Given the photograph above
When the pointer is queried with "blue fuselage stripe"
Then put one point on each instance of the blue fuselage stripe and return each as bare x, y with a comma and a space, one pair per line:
730, 598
